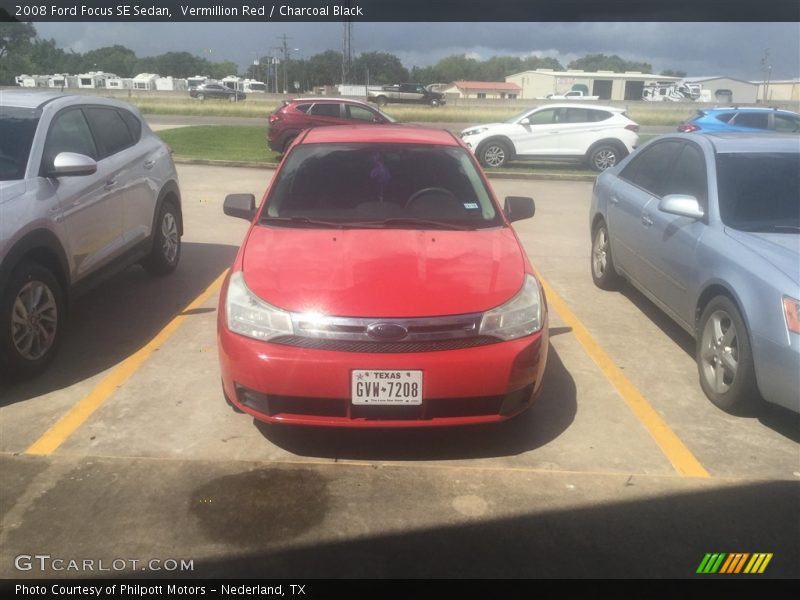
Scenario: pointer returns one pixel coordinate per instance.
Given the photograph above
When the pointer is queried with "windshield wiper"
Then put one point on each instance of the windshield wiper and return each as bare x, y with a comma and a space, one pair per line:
426, 223
769, 228
301, 221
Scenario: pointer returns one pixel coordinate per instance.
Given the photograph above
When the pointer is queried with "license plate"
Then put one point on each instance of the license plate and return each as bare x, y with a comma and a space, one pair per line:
386, 387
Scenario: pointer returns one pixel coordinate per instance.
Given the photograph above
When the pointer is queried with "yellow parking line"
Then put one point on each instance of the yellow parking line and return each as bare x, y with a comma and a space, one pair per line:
66, 426
673, 448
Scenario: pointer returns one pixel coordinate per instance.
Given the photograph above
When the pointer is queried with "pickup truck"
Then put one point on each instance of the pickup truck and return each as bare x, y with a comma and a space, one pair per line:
570, 95
405, 93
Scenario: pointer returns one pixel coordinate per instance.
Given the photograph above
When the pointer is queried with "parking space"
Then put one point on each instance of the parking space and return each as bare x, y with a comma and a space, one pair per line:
127, 444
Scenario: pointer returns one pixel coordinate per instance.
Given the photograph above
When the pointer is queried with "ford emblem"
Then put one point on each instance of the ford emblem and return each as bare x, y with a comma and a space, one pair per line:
387, 332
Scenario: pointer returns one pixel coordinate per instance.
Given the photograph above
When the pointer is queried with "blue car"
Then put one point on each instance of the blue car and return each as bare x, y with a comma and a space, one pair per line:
747, 119
708, 228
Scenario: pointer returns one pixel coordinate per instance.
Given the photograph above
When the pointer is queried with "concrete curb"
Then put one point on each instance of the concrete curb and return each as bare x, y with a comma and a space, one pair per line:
489, 174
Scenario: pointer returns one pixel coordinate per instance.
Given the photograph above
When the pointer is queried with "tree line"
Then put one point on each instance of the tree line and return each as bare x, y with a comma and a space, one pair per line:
23, 51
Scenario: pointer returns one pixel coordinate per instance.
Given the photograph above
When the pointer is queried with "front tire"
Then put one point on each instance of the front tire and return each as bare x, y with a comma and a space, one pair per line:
604, 274
604, 157
166, 251
32, 313
725, 358
494, 154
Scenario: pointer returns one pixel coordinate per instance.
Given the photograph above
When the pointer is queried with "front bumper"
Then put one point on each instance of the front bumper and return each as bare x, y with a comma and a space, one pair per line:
302, 386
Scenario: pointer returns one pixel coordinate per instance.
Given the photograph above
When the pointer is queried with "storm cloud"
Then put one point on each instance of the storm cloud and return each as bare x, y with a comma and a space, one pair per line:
700, 49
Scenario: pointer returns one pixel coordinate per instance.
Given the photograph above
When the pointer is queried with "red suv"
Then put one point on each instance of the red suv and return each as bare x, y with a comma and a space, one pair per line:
381, 285
293, 116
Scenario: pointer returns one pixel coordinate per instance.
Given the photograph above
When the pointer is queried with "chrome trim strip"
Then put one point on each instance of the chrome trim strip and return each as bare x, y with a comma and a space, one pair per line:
424, 329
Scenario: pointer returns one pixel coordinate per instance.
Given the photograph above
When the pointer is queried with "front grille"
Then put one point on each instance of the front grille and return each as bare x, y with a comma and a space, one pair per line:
383, 347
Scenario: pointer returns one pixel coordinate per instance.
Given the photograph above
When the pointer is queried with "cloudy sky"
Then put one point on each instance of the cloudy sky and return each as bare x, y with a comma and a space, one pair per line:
700, 49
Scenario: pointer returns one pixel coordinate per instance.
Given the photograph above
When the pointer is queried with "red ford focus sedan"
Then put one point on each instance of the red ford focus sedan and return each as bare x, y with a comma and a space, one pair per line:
381, 285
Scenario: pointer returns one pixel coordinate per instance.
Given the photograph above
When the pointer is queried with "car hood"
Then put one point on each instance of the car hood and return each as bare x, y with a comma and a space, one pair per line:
383, 272
11, 189
779, 249
488, 126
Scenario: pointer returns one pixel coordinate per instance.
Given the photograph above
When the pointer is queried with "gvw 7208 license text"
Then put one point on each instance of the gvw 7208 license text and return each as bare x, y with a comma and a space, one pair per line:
386, 387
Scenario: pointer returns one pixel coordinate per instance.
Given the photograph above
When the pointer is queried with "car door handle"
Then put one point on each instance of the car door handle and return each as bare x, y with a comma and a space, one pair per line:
111, 183
149, 164
647, 220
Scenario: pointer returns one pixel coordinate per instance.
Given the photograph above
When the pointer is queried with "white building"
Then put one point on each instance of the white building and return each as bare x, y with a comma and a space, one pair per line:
253, 86
170, 84
145, 82
31, 81
119, 83
233, 82
483, 89
786, 90
607, 85
193, 82
94, 79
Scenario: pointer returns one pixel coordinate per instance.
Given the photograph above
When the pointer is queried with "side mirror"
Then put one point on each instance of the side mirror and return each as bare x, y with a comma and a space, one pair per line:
682, 205
525, 121
242, 206
517, 208
71, 164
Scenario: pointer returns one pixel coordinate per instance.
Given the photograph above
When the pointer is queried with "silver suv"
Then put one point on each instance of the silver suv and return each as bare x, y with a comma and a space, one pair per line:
86, 189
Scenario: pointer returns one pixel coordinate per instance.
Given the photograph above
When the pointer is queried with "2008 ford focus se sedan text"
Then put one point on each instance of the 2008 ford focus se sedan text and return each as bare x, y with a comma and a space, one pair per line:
381, 285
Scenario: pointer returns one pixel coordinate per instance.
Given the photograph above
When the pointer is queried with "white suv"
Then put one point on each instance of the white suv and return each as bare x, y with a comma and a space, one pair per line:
86, 189
600, 136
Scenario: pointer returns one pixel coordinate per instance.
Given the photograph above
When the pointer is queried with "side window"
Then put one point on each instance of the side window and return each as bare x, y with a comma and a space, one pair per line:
359, 113
787, 123
69, 132
327, 109
647, 170
689, 175
133, 123
544, 117
586, 115
755, 120
110, 130
725, 117
303, 108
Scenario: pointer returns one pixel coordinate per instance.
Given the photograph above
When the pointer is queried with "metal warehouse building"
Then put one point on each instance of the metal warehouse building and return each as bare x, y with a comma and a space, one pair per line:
726, 90
605, 84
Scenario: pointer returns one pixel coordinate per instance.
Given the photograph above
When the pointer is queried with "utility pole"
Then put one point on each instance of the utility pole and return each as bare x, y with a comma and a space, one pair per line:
766, 65
347, 51
285, 48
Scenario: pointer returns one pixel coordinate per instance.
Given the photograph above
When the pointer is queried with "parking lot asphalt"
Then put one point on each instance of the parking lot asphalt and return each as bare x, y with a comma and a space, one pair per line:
125, 448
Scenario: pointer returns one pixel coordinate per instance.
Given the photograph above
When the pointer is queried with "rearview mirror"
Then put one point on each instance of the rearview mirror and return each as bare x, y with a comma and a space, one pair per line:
242, 206
682, 205
518, 208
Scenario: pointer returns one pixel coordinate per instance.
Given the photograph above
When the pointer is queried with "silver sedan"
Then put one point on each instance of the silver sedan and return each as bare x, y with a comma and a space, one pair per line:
708, 228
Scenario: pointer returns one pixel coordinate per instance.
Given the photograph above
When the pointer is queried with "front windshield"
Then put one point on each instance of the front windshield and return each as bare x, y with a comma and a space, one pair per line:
17, 127
380, 185
760, 191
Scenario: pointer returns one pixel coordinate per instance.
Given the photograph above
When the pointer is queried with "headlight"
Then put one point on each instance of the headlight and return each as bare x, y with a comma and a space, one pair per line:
250, 316
475, 131
520, 316
791, 310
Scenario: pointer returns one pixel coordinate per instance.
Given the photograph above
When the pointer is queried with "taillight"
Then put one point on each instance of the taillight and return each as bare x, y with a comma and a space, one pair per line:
632, 127
688, 128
